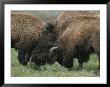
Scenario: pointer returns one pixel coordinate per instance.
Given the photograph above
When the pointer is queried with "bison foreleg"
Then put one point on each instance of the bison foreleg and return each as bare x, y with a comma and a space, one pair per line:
23, 57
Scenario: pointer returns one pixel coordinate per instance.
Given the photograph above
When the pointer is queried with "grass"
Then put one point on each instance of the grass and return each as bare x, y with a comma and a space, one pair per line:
54, 70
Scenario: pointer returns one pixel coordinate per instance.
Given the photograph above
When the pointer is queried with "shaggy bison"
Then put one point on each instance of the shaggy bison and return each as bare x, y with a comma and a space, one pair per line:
78, 41
75, 34
66, 21
27, 35
68, 17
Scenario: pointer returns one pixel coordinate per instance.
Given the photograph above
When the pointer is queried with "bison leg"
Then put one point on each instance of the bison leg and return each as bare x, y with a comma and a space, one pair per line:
23, 57
68, 62
27, 58
80, 64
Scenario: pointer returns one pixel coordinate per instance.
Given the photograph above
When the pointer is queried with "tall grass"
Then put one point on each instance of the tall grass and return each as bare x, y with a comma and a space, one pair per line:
54, 70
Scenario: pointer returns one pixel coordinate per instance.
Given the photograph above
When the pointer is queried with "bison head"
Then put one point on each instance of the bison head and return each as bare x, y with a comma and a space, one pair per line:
56, 55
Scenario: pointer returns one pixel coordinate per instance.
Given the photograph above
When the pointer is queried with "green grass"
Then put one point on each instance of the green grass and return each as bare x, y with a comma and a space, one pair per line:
54, 70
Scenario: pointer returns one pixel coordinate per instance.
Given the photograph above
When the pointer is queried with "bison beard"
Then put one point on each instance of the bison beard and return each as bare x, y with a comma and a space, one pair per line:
41, 58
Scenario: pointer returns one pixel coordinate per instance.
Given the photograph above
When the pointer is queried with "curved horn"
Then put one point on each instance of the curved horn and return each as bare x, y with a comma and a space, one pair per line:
52, 49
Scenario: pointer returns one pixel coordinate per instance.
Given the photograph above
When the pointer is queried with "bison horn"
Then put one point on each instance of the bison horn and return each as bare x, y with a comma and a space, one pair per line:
52, 49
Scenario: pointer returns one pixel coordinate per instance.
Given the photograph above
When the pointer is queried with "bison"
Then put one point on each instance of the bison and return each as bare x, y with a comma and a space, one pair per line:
27, 35
59, 26
79, 40
40, 55
67, 17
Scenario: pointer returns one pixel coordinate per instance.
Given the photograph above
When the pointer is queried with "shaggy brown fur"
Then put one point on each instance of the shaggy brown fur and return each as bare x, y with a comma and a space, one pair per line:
25, 33
25, 30
40, 58
78, 41
80, 33
30, 35
68, 17
40, 54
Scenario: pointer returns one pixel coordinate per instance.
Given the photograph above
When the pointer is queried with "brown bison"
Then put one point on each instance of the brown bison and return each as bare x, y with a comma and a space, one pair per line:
27, 35
78, 41
68, 17
56, 28
59, 26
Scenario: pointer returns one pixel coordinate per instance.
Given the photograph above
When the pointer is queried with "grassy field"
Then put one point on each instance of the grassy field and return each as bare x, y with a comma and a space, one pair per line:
54, 70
